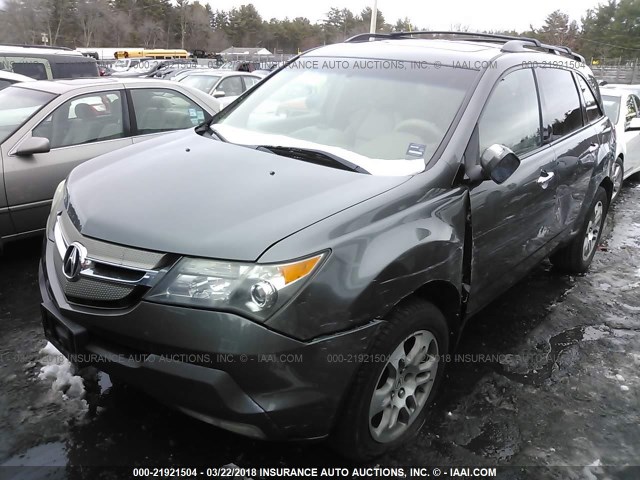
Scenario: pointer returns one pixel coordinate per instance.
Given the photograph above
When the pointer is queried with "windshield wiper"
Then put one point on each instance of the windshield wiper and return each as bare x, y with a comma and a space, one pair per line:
310, 155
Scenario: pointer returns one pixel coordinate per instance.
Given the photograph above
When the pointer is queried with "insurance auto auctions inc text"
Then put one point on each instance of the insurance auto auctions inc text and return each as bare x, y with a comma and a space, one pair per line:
379, 472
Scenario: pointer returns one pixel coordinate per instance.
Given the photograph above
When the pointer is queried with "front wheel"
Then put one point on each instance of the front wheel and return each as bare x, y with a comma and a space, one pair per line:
617, 178
388, 402
577, 255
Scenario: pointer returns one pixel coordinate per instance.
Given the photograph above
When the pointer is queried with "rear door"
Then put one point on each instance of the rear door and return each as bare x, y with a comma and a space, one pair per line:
79, 129
513, 223
574, 140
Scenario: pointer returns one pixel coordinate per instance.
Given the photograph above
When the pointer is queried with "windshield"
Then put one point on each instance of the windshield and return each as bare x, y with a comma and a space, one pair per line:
17, 105
611, 107
387, 117
201, 82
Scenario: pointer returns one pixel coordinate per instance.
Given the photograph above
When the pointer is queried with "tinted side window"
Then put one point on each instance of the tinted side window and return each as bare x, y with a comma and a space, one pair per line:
75, 69
561, 111
511, 116
632, 111
591, 105
31, 69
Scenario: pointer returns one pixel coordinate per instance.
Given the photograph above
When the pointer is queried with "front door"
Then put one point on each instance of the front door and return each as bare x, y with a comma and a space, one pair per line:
78, 130
512, 223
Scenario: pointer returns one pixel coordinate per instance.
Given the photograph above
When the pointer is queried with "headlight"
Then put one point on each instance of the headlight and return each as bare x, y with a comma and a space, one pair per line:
257, 290
56, 206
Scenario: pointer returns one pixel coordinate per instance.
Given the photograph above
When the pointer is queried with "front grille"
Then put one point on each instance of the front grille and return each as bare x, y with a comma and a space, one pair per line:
110, 253
115, 279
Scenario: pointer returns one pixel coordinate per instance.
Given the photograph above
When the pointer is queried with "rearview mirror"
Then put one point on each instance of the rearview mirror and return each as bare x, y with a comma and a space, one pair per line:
33, 145
499, 163
634, 124
218, 94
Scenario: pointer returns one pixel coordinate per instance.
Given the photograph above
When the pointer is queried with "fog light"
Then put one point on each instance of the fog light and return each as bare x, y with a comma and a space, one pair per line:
264, 294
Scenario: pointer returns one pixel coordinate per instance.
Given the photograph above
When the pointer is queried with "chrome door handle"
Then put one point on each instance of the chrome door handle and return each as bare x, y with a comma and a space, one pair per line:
544, 178
592, 148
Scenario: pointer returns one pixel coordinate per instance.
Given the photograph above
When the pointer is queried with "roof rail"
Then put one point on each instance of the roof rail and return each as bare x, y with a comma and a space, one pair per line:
511, 43
48, 47
519, 46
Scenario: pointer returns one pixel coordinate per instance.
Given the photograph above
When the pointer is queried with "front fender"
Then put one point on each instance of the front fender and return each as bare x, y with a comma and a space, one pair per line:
382, 250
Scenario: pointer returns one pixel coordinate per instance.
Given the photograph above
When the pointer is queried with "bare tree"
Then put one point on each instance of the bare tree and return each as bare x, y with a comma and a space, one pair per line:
92, 15
150, 32
23, 21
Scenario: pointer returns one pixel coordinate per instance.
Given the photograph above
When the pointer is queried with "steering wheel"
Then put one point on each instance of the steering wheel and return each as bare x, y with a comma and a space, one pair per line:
421, 128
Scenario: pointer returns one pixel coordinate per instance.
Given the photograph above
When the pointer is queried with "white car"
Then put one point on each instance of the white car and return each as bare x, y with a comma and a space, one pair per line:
623, 109
9, 78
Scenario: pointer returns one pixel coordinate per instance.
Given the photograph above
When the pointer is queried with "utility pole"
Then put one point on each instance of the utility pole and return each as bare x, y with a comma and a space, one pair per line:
374, 17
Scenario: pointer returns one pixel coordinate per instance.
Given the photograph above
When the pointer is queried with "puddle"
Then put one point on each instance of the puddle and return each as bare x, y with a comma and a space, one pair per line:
559, 344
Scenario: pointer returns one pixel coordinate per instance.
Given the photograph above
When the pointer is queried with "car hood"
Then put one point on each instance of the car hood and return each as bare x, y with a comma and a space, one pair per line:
191, 195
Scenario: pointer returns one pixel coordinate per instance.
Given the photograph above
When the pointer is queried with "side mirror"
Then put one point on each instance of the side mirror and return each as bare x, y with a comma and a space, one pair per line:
499, 163
634, 124
33, 145
218, 94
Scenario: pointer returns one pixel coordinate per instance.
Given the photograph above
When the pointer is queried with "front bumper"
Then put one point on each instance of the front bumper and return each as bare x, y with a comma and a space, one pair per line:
219, 367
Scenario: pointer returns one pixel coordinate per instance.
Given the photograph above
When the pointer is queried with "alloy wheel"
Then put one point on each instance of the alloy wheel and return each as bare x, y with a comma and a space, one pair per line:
593, 231
618, 178
403, 387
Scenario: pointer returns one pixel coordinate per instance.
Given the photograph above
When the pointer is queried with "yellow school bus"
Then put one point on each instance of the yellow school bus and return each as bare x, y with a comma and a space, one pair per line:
157, 53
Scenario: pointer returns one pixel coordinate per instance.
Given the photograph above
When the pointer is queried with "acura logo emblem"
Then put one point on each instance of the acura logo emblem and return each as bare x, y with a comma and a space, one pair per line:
73, 261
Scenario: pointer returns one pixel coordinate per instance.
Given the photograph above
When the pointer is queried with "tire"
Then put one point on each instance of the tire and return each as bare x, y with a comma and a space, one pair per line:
577, 255
618, 178
360, 434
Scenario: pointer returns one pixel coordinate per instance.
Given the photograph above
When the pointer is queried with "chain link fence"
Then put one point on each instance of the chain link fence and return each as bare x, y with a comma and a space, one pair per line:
617, 71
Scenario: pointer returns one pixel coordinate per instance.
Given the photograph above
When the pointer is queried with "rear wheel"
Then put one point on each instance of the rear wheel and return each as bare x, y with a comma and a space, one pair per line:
389, 400
618, 178
576, 257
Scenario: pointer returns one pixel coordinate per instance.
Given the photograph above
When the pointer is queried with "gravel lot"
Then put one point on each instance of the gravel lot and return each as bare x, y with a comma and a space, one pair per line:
547, 376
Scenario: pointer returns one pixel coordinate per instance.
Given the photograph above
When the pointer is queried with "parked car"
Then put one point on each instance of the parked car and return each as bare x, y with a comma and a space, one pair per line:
9, 78
125, 64
225, 85
623, 108
46, 63
241, 65
48, 128
171, 69
305, 276
142, 69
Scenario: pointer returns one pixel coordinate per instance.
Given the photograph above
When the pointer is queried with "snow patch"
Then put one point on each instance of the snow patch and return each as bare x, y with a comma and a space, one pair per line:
61, 372
594, 333
624, 388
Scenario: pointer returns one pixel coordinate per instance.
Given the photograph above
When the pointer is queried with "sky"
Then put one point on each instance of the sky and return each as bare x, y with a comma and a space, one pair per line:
432, 14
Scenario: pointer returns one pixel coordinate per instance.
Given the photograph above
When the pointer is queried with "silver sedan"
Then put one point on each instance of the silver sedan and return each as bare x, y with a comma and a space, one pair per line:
47, 128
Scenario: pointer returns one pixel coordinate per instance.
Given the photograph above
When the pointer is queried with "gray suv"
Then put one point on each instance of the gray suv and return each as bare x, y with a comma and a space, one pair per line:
299, 266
